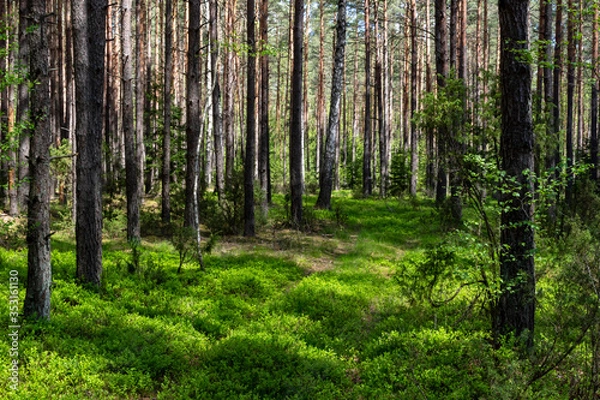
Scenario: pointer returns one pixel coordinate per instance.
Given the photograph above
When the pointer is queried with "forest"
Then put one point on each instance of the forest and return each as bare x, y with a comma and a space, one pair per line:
313, 199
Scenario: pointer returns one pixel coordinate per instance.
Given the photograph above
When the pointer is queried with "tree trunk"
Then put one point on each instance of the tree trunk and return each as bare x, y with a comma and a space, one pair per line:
516, 306
217, 118
140, 94
594, 98
264, 163
414, 138
296, 170
571, 51
228, 92
441, 64
249, 161
327, 169
39, 274
192, 171
23, 106
368, 144
132, 163
88, 29
166, 143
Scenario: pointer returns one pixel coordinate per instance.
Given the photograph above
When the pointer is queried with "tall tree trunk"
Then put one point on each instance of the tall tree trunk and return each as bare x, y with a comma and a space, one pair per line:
264, 163
296, 170
132, 163
430, 180
594, 97
217, 118
571, 52
166, 143
39, 274
192, 171
249, 161
23, 106
140, 91
553, 152
327, 168
228, 92
368, 144
414, 139
88, 29
441, 64
320, 90
516, 306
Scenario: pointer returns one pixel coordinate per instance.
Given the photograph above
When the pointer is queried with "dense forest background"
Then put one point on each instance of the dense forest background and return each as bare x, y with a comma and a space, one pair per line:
192, 121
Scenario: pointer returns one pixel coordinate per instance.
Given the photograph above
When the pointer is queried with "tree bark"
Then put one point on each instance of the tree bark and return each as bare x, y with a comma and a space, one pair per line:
516, 305
368, 144
249, 161
132, 163
192, 171
166, 142
39, 273
414, 138
594, 98
89, 41
264, 163
441, 64
23, 106
571, 51
296, 151
327, 168
217, 118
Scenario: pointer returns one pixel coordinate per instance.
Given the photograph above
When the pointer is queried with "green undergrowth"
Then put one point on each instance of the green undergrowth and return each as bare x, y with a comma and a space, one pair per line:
363, 305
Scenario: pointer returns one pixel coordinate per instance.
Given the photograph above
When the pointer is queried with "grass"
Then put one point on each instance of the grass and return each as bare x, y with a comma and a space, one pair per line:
336, 313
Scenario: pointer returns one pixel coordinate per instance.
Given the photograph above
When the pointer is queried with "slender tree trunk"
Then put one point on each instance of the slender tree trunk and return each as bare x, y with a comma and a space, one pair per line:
88, 28
320, 91
166, 142
516, 305
368, 144
217, 118
249, 161
327, 169
264, 162
414, 138
23, 106
571, 52
132, 163
192, 171
228, 92
594, 97
39, 274
441, 64
553, 152
140, 94
296, 173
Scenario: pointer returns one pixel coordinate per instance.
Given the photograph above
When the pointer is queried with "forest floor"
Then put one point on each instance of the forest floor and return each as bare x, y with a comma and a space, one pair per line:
376, 299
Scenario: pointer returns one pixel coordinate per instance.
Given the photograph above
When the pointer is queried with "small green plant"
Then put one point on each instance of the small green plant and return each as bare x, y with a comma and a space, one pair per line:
185, 241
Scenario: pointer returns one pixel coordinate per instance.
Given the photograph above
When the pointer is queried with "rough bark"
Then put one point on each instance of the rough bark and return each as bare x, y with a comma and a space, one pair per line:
192, 133
441, 64
132, 164
217, 118
594, 99
264, 164
166, 142
89, 41
39, 273
516, 306
23, 106
414, 139
368, 144
296, 142
327, 168
250, 156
